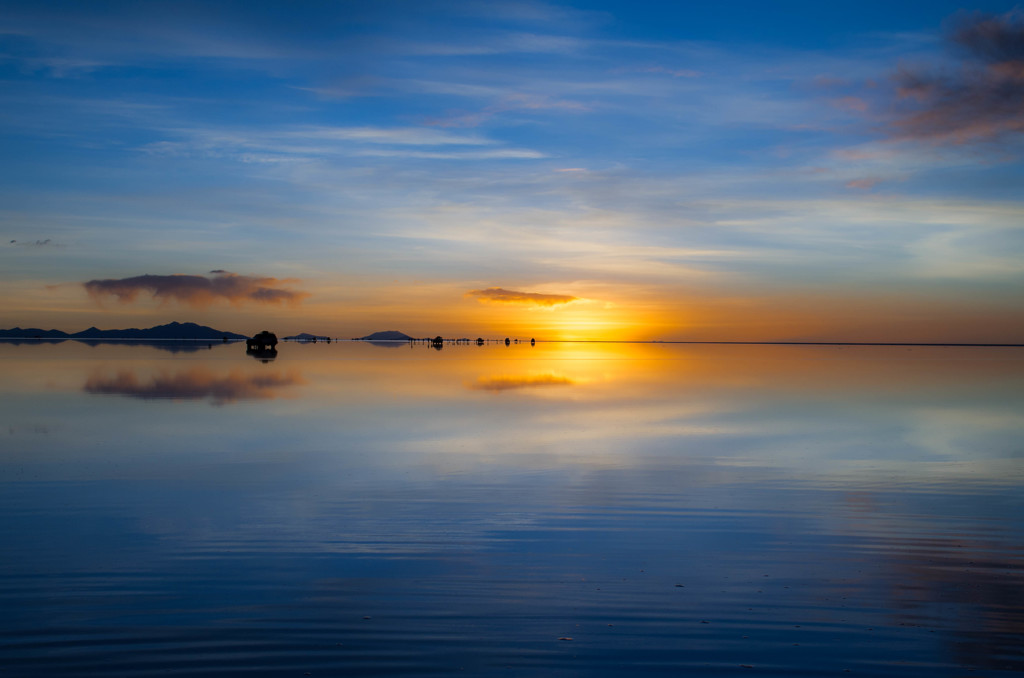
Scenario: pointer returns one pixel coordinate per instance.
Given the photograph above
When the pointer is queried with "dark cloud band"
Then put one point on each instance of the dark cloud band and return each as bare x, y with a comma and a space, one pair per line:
197, 290
983, 100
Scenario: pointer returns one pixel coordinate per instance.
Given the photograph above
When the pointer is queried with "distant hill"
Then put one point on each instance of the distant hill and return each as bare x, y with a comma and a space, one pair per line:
33, 333
174, 330
387, 335
306, 336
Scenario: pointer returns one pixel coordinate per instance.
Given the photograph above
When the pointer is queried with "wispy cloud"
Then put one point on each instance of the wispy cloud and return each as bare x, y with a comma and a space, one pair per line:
498, 295
197, 290
299, 144
674, 72
399, 136
865, 184
35, 243
983, 100
500, 154
510, 102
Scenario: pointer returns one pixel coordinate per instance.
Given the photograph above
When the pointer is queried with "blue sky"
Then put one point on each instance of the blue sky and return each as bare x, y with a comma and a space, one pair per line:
678, 170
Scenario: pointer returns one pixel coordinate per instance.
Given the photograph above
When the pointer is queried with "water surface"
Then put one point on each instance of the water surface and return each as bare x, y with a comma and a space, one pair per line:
558, 510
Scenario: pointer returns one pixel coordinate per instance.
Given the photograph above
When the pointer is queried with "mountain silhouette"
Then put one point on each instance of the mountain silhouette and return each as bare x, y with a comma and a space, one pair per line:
174, 330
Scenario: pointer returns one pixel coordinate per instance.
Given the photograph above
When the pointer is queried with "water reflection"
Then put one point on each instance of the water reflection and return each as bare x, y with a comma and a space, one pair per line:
169, 345
505, 382
978, 577
196, 383
668, 508
389, 344
262, 354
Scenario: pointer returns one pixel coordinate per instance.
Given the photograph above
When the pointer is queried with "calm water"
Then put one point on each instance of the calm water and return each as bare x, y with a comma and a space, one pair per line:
562, 510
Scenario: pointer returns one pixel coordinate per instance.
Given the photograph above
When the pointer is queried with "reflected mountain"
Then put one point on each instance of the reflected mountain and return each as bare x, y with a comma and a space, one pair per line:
511, 382
30, 340
197, 383
169, 345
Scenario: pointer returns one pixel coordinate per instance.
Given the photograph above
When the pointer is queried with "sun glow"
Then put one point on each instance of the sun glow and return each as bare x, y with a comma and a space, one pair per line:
576, 322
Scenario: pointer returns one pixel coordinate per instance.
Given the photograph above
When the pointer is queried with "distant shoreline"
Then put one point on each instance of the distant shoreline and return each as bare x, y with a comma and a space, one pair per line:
543, 341
783, 343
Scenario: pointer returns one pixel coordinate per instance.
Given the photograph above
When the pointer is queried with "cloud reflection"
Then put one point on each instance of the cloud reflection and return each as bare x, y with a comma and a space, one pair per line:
512, 382
197, 383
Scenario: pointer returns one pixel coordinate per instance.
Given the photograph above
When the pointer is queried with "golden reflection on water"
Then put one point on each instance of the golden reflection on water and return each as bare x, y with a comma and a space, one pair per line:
878, 487
593, 371
783, 405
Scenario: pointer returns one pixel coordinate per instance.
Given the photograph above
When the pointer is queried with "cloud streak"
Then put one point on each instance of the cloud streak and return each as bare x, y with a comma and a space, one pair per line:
983, 100
35, 243
497, 295
196, 290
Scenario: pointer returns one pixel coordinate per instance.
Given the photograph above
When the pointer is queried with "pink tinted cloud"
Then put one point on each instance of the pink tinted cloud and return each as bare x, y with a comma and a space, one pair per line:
865, 184
855, 104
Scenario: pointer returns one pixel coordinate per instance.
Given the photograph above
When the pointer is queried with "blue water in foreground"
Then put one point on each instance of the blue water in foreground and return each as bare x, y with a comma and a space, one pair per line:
561, 510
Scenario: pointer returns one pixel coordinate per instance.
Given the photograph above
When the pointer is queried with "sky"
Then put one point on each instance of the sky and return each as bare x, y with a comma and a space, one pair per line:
739, 171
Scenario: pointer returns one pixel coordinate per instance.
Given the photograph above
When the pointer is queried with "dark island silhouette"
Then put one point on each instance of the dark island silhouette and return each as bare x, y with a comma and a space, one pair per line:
388, 335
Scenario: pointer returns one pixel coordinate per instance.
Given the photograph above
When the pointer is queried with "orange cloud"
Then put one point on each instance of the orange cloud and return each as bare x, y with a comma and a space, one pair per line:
197, 290
498, 295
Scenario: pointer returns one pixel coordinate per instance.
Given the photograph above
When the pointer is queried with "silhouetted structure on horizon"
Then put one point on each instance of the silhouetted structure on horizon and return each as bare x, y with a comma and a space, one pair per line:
261, 342
262, 347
